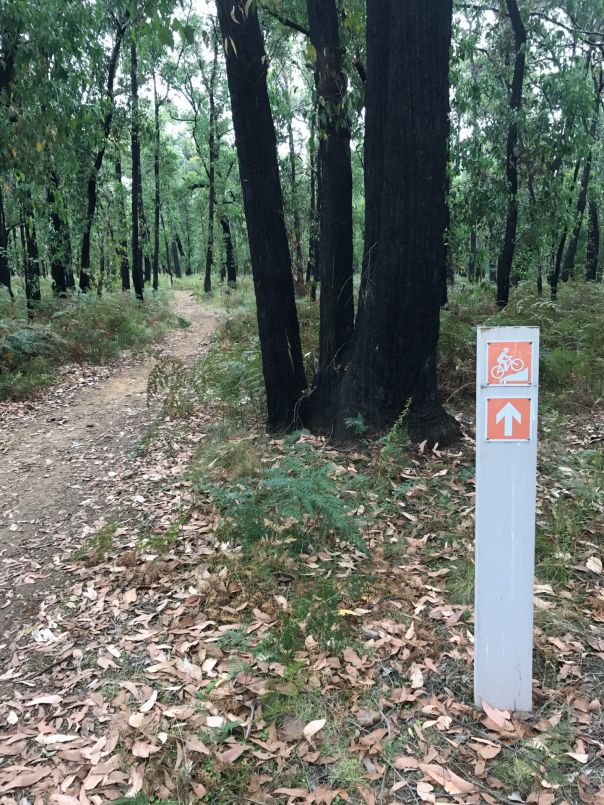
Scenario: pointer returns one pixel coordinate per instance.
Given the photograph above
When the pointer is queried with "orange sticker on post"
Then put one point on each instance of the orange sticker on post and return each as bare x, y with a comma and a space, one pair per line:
508, 419
509, 363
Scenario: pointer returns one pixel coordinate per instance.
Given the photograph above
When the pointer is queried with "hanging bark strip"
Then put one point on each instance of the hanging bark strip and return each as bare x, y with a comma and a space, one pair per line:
392, 371
256, 143
506, 256
122, 246
137, 253
91, 188
335, 215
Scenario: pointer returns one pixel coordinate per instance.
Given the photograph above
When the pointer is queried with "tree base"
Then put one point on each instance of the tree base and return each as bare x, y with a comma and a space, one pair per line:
433, 425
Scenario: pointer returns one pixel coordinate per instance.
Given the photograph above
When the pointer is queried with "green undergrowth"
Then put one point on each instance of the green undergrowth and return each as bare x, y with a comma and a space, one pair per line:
571, 334
79, 329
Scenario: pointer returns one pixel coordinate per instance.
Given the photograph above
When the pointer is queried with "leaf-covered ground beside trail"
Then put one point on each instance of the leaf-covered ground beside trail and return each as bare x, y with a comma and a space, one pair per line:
239, 643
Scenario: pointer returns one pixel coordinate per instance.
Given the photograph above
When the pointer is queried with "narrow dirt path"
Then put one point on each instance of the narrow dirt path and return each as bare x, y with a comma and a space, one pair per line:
62, 458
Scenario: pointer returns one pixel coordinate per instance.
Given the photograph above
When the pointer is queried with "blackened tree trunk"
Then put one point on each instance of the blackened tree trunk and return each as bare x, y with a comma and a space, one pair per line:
593, 242
375, 130
32, 263
59, 246
122, 246
5, 278
137, 254
393, 364
156, 208
473, 251
506, 255
256, 142
554, 276
91, 187
335, 214
297, 229
230, 265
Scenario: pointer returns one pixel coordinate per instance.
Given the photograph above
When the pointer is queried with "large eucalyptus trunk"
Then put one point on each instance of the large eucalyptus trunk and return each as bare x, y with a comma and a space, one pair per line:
247, 66
392, 371
335, 206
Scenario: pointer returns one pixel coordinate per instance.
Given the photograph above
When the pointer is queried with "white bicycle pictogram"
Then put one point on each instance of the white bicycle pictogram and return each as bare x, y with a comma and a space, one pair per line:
506, 365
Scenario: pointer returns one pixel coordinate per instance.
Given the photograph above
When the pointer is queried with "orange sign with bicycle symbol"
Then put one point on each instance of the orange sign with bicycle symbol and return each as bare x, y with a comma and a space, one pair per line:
509, 363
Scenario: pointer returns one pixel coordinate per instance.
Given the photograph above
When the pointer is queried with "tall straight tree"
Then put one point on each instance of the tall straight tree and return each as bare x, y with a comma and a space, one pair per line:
335, 213
91, 187
506, 255
246, 63
156, 206
5, 278
393, 364
137, 252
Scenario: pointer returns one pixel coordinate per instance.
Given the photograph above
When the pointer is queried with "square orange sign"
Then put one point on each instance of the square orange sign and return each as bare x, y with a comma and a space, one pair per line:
508, 419
509, 363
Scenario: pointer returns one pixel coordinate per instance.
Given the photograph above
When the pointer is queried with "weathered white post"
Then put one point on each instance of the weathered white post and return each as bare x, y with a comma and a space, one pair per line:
507, 377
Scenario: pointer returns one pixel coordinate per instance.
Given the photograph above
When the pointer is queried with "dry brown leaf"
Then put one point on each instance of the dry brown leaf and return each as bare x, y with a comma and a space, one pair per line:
141, 749
24, 779
232, 754
148, 705
313, 727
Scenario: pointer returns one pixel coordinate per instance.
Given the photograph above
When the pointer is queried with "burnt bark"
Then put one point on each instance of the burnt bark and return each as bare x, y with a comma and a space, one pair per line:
59, 245
5, 275
91, 187
392, 370
335, 208
506, 255
313, 223
593, 243
256, 143
32, 261
137, 254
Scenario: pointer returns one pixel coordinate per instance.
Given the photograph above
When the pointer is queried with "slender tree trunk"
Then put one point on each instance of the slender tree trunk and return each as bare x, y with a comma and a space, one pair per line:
176, 256
230, 266
156, 208
122, 246
5, 278
392, 370
91, 187
335, 216
506, 255
137, 256
256, 142
188, 269
213, 157
554, 277
297, 229
473, 251
100, 284
313, 224
593, 243
32, 263
571, 252
59, 241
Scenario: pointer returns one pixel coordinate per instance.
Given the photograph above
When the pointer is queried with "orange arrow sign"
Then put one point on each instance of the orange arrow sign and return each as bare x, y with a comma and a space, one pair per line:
508, 419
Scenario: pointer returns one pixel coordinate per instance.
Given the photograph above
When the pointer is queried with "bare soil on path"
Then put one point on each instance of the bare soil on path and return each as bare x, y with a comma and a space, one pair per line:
63, 458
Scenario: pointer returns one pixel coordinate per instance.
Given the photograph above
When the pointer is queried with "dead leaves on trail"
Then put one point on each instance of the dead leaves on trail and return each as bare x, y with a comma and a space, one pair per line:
171, 673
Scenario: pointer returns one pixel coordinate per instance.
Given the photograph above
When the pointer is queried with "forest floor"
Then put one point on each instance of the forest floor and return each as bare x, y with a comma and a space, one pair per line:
199, 613
62, 458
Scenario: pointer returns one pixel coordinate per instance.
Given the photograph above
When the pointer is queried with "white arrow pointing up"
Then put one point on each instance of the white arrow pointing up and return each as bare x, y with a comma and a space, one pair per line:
508, 413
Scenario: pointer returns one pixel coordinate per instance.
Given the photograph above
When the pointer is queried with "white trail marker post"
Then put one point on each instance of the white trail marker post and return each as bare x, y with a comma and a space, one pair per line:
507, 377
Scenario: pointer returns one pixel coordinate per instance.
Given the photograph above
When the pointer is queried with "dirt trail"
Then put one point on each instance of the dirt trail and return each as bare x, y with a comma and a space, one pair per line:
61, 459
